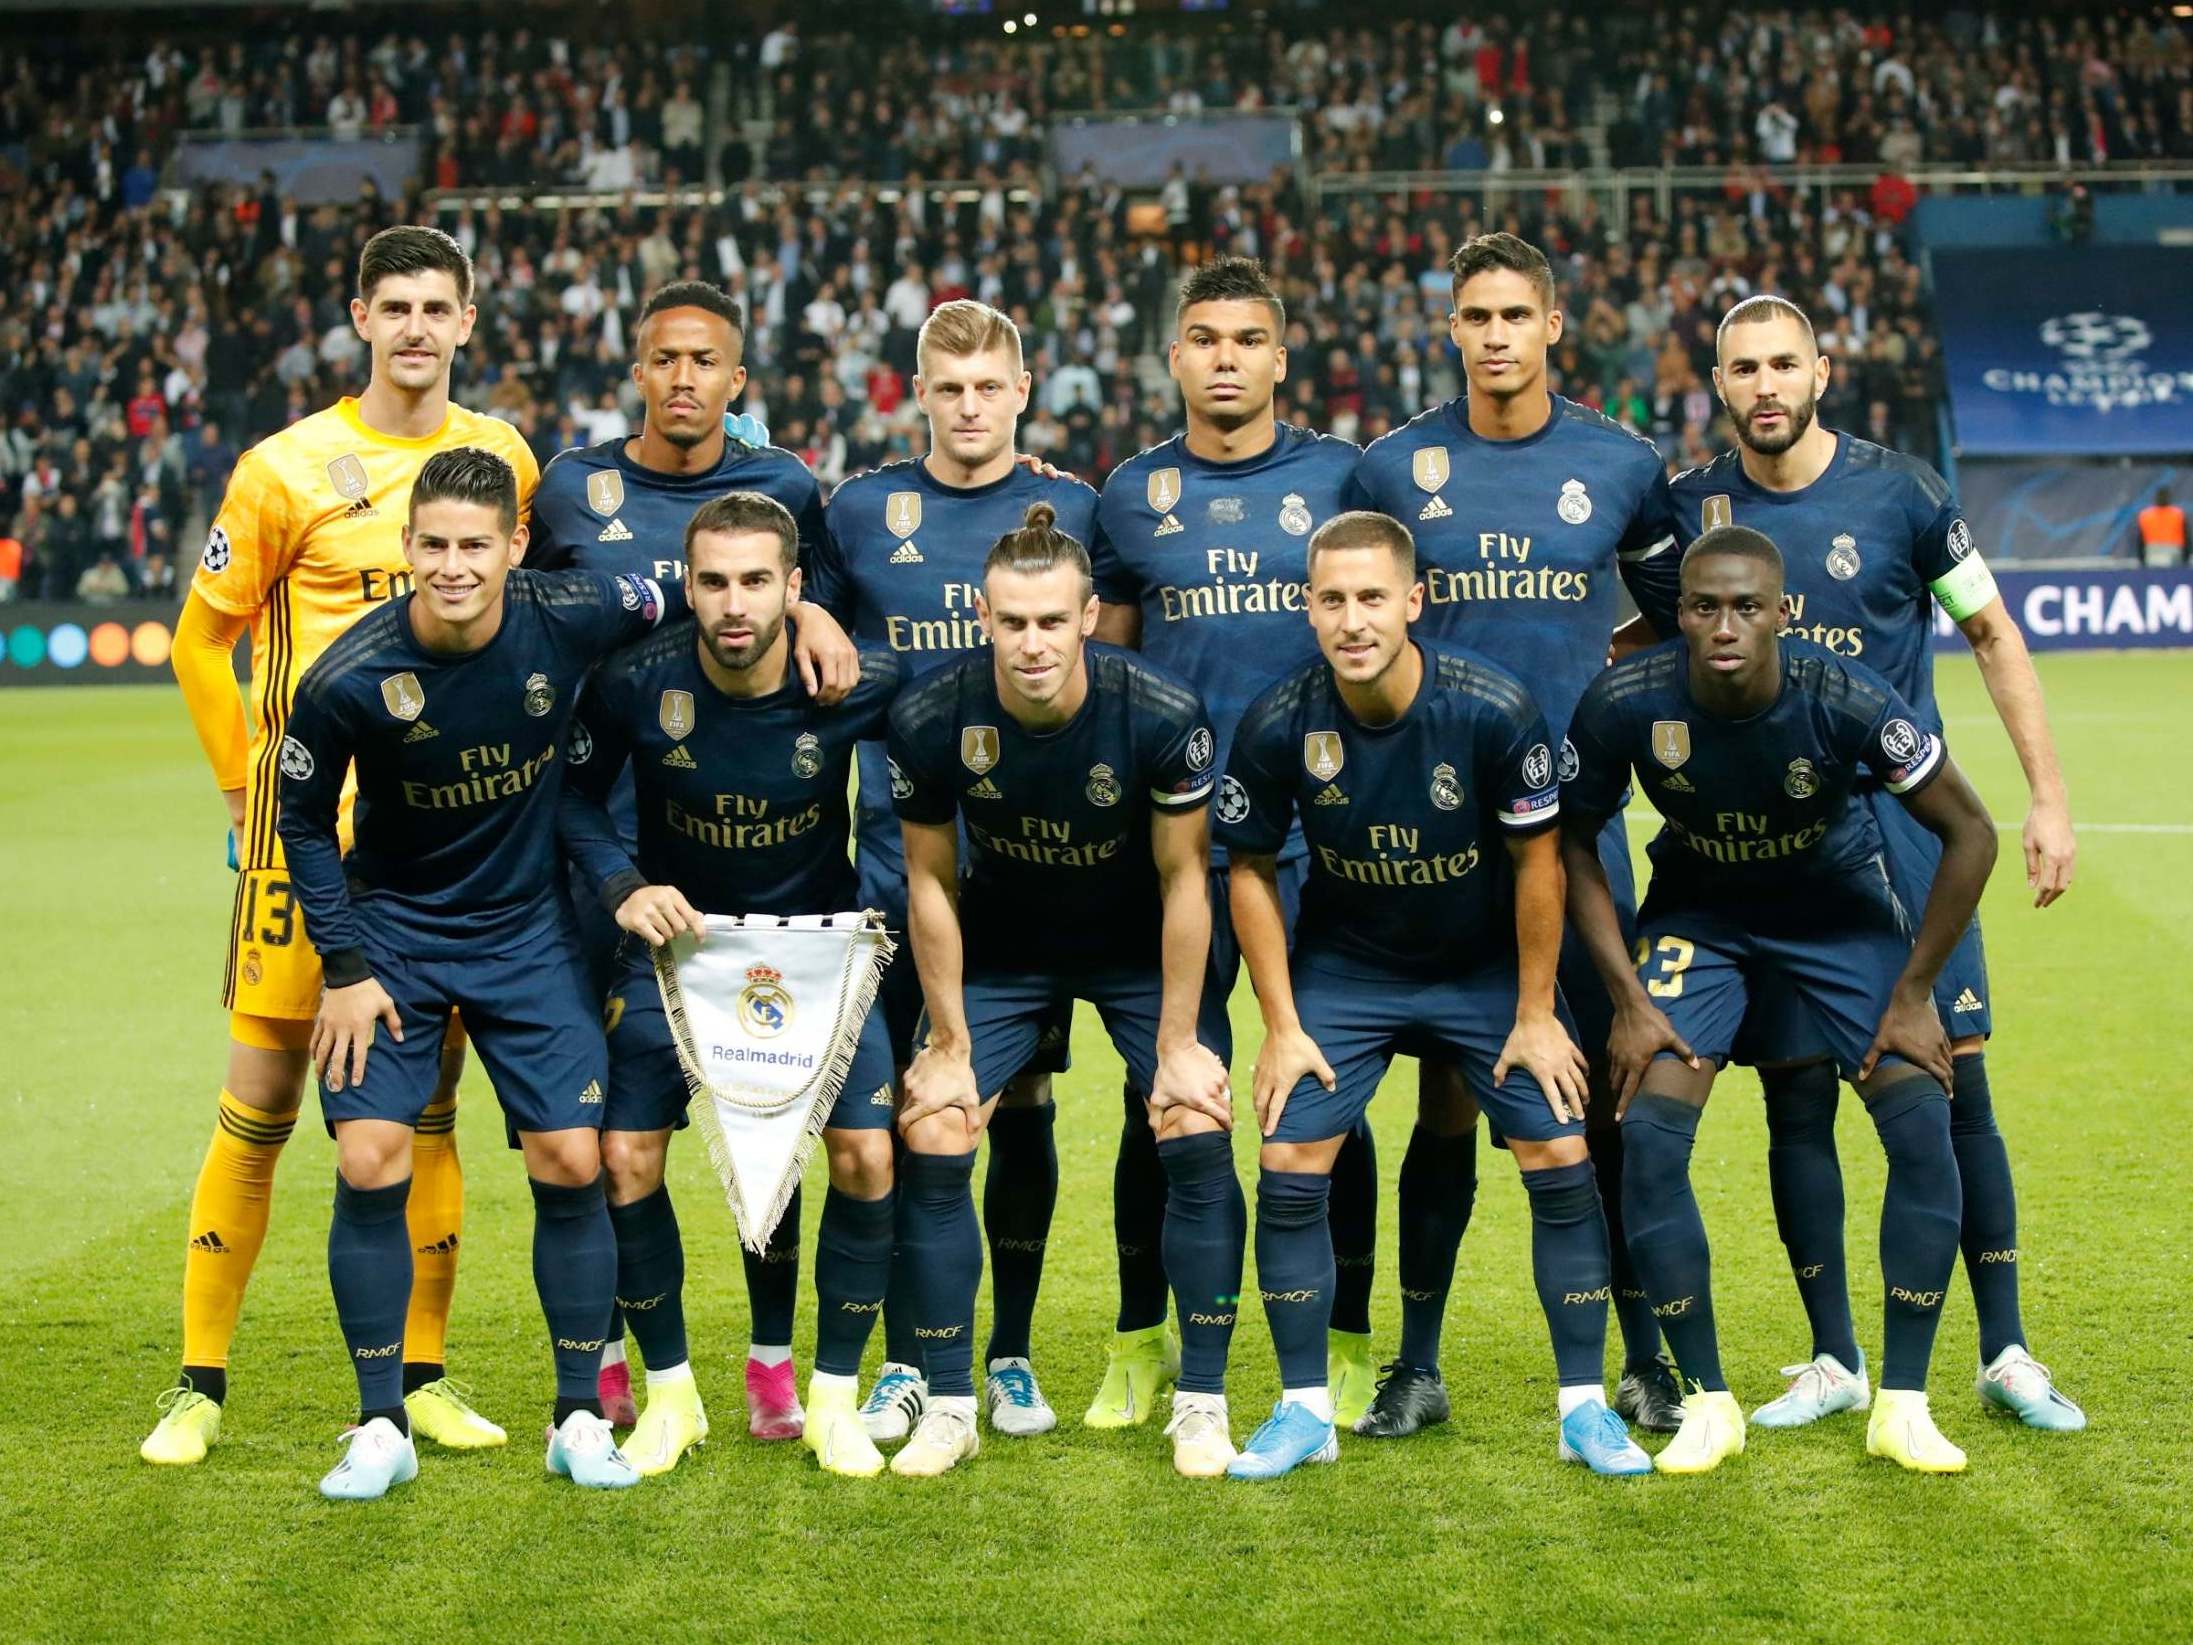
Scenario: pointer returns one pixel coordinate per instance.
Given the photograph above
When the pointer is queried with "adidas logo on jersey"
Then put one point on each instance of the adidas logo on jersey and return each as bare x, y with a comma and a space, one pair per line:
1170, 526
1967, 1001
210, 1243
1436, 509
1330, 795
361, 510
906, 554
679, 758
616, 531
420, 733
1676, 783
985, 790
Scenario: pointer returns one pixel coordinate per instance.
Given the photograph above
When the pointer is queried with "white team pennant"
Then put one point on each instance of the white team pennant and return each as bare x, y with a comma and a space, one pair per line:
766, 1015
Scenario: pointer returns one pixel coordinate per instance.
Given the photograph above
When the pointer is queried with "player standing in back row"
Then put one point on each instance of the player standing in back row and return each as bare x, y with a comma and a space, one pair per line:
1872, 540
1525, 507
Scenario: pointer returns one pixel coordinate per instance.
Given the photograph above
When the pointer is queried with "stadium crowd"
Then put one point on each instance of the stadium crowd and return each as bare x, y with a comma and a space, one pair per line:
145, 338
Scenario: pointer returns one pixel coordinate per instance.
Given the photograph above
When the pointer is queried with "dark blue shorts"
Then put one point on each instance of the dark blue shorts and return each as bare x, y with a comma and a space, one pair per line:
1362, 1022
1960, 992
1006, 1013
526, 1012
1586, 995
647, 1089
880, 861
1823, 987
1225, 947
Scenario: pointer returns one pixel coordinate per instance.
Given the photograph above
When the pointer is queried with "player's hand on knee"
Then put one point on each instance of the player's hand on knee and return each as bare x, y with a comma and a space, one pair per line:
1287, 1056
1192, 1078
658, 913
1912, 1029
343, 1031
2051, 852
829, 662
1541, 1047
937, 1080
1641, 1032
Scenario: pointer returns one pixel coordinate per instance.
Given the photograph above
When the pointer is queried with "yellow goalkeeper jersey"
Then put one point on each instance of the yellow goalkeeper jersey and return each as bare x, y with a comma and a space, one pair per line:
308, 539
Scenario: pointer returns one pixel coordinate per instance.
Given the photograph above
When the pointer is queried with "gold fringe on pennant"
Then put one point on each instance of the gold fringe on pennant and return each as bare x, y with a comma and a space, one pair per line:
857, 984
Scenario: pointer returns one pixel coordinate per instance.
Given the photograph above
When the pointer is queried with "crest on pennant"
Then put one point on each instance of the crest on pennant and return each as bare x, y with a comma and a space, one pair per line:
676, 713
1670, 742
605, 491
978, 748
902, 513
348, 475
401, 695
1715, 512
1322, 755
765, 1004
1164, 489
1429, 467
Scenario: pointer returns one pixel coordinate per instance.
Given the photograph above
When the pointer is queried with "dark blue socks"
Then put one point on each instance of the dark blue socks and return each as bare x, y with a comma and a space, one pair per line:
852, 1267
1354, 1222
1807, 1180
773, 1280
1640, 1328
1206, 1232
1990, 1235
575, 1271
1438, 1190
940, 1258
369, 1268
651, 1277
1569, 1261
1138, 1218
1667, 1237
1018, 1197
1294, 1270
1919, 1221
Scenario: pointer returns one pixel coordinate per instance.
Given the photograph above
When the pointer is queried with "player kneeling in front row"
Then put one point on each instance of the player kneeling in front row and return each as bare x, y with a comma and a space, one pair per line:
1427, 795
452, 702
1768, 875
740, 785
1084, 775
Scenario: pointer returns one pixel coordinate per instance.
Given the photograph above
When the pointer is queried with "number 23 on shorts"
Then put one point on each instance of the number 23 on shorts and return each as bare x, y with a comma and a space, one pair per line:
1661, 963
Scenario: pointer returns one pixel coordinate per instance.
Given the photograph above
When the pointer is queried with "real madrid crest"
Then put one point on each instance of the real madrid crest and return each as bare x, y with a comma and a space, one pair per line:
1294, 515
1164, 489
1800, 781
1670, 742
978, 748
1103, 788
1842, 557
806, 754
348, 475
1715, 512
1446, 789
1574, 506
540, 696
765, 1005
605, 491
1322, 755
401, 695
676, 714
902, 513
1429, 467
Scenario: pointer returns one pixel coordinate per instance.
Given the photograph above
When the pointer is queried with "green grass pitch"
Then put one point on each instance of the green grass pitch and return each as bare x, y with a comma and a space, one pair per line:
110, 1051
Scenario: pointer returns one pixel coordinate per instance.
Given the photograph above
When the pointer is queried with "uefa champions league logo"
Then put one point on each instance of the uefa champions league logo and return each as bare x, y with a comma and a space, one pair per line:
2097, 337
2099, 365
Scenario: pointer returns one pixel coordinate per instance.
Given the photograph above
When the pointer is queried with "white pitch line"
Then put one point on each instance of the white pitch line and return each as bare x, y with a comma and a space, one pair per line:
1649, 820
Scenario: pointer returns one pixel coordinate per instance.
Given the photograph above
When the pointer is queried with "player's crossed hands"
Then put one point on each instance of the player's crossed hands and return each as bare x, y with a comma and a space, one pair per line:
1288, 1055
343, 1031
1192, 1077
938, 1079
659, 913
1541, 1047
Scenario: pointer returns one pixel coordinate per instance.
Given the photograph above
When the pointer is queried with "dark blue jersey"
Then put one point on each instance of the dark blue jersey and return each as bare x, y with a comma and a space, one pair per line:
1059, 873
457, 761
742, 800
1518, 542
1405, 822
1216, 555
900, 560
1866, 548
1758, 810
598, 510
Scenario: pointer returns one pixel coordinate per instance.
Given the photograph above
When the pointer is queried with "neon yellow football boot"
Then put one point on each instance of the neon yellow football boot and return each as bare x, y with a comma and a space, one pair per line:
1350, 1377
190, 1425
1139, 1367
442, 1411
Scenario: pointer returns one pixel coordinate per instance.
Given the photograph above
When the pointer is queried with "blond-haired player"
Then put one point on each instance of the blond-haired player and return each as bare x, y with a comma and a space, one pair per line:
308, 539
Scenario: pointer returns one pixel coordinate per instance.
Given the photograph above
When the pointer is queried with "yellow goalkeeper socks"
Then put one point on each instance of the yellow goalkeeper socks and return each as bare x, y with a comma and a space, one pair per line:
228, 1224
435, 1213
